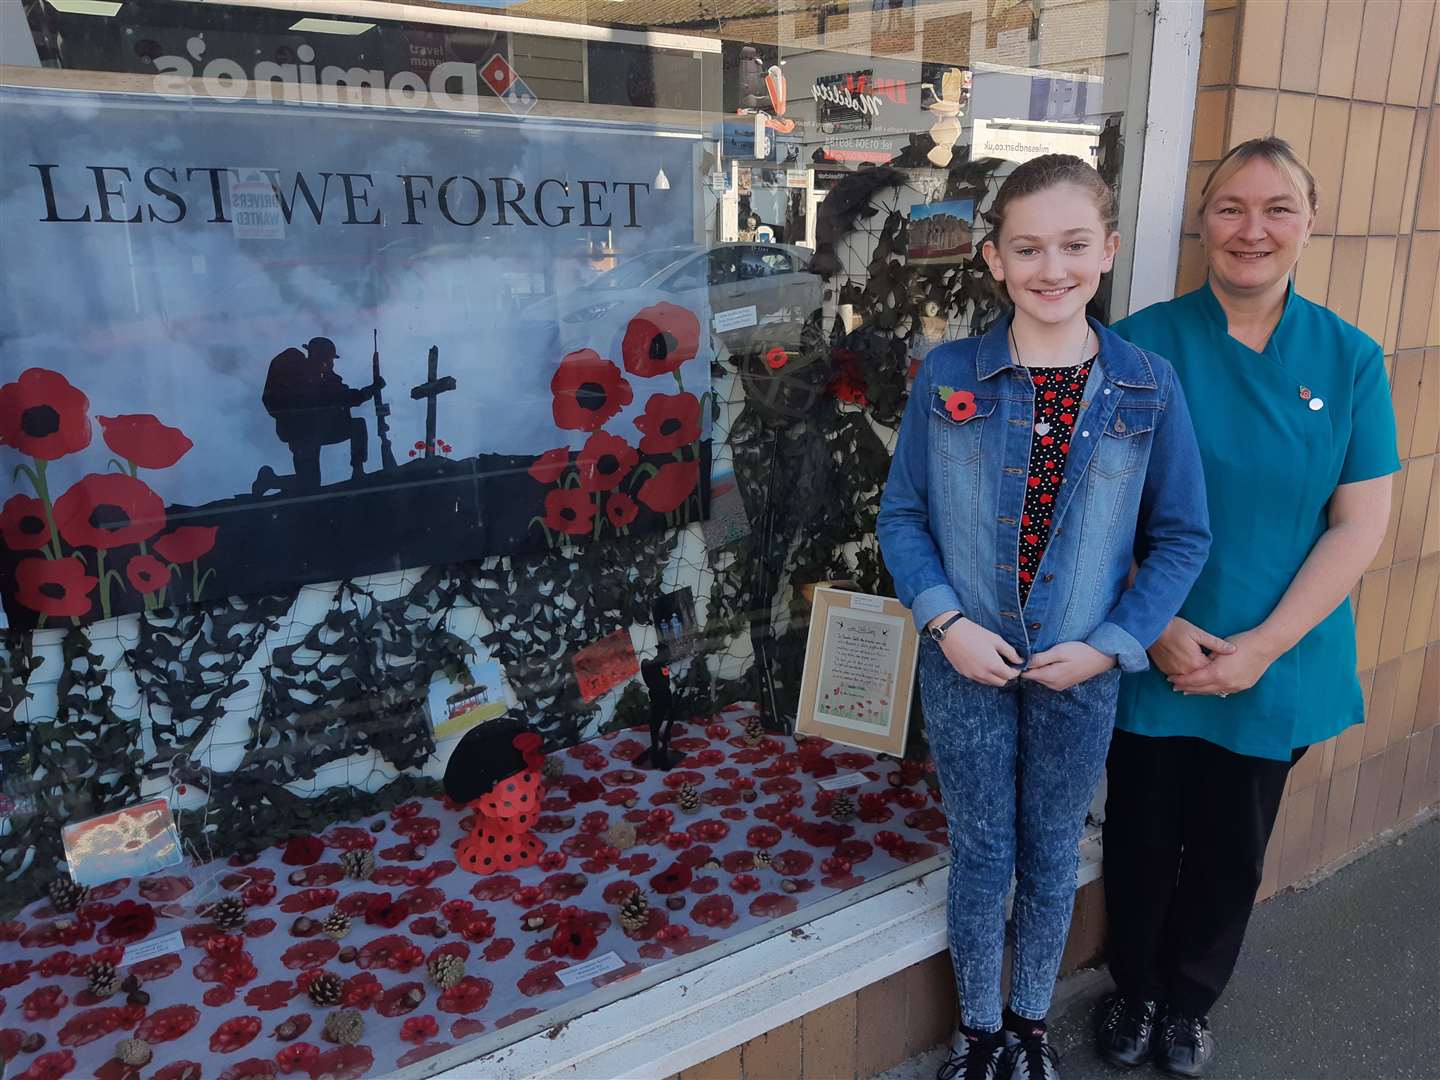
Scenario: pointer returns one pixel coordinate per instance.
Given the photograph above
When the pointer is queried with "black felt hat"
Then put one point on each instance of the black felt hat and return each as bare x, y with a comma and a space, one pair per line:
488, 754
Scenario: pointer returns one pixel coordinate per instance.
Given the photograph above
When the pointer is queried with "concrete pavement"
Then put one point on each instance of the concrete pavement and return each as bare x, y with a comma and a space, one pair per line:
1339, 982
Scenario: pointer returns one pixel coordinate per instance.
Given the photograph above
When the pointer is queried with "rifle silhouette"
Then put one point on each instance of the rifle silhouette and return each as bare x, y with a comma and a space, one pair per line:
387, 455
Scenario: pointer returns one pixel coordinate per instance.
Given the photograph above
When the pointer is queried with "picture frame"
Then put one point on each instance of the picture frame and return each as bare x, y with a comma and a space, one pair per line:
859, 674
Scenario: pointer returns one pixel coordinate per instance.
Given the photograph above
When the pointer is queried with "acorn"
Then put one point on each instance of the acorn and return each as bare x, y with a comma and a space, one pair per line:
304, 926
446, 970
137, 997
377, 826
749, 795
32, 1043
134, 1052
788, 885
287, 1030
348, 954
344, 1026
675, 903
763, 860
325, 989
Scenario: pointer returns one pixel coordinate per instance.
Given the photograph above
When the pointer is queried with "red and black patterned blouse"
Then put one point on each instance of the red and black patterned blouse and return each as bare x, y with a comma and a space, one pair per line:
1058, 392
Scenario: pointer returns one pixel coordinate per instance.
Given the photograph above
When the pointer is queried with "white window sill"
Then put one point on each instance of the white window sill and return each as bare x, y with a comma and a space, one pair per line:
692, 1017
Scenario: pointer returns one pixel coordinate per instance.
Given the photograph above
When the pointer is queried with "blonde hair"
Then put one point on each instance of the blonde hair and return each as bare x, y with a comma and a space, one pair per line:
1278, 153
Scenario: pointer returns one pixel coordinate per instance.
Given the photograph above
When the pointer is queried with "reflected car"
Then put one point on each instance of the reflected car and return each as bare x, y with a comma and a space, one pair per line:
753, 296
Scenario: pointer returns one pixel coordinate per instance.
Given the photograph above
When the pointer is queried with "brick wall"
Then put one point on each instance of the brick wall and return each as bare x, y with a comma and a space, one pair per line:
1352, 85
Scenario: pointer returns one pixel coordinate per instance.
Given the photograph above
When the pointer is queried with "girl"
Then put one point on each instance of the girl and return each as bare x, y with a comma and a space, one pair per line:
1035, 465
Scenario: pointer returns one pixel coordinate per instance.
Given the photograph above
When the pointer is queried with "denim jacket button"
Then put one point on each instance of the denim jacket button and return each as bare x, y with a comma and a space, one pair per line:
1034, 626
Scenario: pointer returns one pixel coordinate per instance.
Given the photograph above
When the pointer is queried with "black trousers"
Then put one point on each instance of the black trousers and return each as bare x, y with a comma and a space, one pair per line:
1186, 826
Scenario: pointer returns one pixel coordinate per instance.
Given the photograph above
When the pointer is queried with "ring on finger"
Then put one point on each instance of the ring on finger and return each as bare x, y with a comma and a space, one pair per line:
1224, 693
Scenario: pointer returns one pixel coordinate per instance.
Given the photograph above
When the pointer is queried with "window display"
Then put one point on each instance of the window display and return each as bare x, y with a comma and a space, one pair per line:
422, 441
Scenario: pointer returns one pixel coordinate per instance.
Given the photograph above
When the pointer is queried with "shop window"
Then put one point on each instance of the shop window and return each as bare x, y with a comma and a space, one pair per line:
374, 386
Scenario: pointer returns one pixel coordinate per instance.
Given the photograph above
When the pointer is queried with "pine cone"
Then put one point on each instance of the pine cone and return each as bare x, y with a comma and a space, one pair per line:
634, 911
446, 970
842, 807
689, 799
66, 896
336, 925
553, 768
228, 914
358, 863
134, 1052
344, 1027
620, 836
754, 730
325, 989
104, 979
762, 860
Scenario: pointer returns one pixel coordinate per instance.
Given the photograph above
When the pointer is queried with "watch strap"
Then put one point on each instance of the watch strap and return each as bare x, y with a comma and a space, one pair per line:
938, 632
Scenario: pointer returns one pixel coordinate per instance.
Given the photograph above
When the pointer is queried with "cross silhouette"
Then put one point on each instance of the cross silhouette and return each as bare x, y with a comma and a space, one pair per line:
430, 390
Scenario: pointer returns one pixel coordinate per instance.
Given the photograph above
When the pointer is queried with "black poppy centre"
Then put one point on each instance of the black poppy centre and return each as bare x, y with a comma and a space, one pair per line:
607, 465
53, 590
662, 345
670, 425
592, 396
31, 525
110, 517
39, 421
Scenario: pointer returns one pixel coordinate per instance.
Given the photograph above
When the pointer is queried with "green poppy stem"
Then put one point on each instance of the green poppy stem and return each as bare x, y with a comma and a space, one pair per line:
104, 583
42, 490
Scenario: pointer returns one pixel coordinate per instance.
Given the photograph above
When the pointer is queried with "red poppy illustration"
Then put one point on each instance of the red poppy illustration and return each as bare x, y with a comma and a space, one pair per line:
671, 486
51, 1066
146, 574
669, 422
23, 525
605, 460
568, 510
588, 391
168, 1024
574, 938
297, 1057
659, 339
418, 1028
108, 510
960, 404
309, 954
44, 1003
673, 879
143, 440
550, 465
42, 415
621, 511
186, 544
54, 587
382, 911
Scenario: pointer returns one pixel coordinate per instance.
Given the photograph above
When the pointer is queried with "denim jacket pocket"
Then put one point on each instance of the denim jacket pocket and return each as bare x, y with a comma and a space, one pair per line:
959, 440
1125, 442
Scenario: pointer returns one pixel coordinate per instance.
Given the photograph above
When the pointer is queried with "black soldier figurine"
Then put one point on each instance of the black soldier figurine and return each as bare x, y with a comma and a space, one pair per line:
311, 405
656, 673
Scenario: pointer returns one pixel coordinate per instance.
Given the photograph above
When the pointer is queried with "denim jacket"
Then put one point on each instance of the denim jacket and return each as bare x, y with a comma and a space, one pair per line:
949, 523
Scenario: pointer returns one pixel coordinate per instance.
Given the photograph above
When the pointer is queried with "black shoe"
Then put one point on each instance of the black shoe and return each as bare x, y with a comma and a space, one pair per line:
971, 1059
1031, 1058
1124, 1030
1184, 1045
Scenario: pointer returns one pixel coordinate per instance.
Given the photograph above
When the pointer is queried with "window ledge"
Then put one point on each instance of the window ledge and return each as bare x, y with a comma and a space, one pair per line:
693, 1017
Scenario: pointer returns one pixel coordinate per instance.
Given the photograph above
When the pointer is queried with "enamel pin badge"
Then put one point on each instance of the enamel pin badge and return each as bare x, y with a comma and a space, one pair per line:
1315, 403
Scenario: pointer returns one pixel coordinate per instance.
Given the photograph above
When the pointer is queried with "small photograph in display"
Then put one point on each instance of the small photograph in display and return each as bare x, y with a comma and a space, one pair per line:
941, 232
457, 705
675, 621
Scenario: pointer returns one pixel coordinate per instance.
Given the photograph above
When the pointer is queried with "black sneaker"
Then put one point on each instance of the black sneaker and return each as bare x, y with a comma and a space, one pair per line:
1184, 1045
1124, 1030
971, 1059
1031, 1058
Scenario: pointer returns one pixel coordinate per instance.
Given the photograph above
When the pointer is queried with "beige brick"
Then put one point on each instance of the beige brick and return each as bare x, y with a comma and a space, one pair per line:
1380, 709
1312, 276
1294, 118
1211, 108
1411, 530
1367, 798
1392, 783
1396, 130
1422, 607
1357, 183
1405, 395
1343, 20
1406, 718
1191, 273
1386, 555
1377, 43
930, 1012
1304, 37
1217, 48
1414, 167
1375, 285
1419, 290
1412, 35
1339, 811
829, 1041
1348, 745
1252, 115
1194, 181
1369, 616
724, 1066
1417, 760
774, 1055
1262, 39
1299, 821
1397, 293
1397, 607
1327, 158
1425, 434
879, 1042
1347, 270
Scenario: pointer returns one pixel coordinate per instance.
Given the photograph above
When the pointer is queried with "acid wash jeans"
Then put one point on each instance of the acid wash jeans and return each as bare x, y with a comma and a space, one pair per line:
1018, 766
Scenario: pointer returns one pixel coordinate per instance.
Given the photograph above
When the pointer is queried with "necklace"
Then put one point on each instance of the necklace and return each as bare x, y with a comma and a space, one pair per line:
1014, 344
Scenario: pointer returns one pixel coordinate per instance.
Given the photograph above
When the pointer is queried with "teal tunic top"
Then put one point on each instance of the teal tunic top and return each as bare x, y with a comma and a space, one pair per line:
1272, 458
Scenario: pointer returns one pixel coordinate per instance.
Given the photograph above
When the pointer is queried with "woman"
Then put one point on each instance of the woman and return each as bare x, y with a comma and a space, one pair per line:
1297, 435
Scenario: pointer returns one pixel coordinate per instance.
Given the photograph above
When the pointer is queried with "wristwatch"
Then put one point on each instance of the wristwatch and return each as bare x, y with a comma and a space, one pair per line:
938, 632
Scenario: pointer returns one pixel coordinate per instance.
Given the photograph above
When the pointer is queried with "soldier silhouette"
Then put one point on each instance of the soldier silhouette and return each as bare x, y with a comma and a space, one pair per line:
311, 405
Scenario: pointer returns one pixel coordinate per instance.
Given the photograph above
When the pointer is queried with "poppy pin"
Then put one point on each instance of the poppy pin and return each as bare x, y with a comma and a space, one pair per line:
776, 358
1304, 393
959, 404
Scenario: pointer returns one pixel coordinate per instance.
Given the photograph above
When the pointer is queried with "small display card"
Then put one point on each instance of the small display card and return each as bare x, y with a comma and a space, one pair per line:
590, 969
153, 947
844, 780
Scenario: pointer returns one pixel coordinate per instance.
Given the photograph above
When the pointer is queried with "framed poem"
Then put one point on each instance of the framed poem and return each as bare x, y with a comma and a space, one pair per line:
859, 671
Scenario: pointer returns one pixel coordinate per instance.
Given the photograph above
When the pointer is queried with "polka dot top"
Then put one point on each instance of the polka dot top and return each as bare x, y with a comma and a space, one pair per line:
500, 839
1058, 392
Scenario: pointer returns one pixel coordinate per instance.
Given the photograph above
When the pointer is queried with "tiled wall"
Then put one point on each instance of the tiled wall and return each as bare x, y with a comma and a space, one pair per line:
1352, 85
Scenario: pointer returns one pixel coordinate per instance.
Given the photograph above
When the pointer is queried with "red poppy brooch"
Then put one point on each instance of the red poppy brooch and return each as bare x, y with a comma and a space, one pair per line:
959, 404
